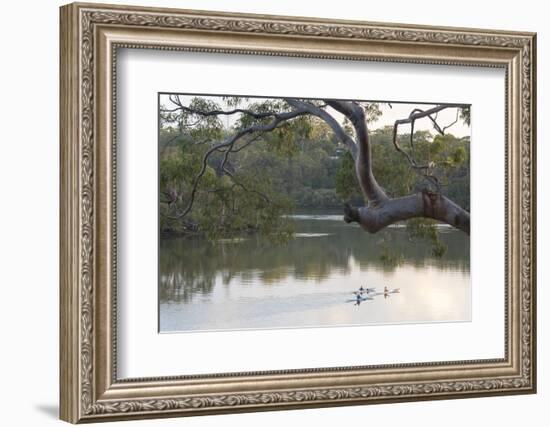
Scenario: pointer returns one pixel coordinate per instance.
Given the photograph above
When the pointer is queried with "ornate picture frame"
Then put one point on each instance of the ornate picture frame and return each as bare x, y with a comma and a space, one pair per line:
90, 37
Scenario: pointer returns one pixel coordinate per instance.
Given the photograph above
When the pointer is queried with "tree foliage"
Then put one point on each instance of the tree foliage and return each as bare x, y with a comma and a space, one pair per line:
249, 185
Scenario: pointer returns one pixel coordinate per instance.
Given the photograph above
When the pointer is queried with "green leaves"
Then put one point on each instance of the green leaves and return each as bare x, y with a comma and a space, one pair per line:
426, 229
300, 162
225, 204
458, 156
267, 107
202, 128
372, 111
346, 183
464, 114
447, 158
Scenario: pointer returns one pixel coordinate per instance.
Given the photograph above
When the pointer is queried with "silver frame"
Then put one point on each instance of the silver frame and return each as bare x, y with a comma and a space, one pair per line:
90, 37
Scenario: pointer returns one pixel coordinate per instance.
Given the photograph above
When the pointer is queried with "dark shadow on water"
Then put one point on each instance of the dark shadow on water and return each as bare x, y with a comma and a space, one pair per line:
50, 410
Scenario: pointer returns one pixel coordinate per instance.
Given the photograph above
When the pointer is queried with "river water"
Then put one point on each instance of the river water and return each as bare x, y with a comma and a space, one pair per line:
248, 283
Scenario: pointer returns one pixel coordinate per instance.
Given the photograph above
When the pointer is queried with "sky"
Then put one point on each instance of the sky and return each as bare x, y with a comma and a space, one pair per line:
389, 115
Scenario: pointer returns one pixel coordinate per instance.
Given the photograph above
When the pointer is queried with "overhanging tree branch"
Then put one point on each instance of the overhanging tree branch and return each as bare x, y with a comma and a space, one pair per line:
425, 204
363, 161
181, 107
386, 211
416, 114
329, 120
229, 144
381, 210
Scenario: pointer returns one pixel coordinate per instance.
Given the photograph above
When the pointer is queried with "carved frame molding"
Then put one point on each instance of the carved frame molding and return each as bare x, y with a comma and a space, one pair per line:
90, 36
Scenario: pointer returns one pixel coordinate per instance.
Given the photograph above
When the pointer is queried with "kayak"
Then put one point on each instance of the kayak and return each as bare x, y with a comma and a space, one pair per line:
365, 290
391, 291
360, 299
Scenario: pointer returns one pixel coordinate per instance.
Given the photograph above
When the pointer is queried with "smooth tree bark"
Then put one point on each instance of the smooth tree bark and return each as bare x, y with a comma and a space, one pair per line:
420, 205
380, 210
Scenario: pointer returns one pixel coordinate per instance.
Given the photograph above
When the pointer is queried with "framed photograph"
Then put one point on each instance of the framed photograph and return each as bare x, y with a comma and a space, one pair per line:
267, 212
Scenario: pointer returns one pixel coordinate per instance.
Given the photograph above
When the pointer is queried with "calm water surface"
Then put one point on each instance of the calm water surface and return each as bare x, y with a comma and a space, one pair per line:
249, 283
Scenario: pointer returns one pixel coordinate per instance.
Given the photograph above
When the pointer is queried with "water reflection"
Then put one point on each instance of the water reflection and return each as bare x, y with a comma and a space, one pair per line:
249, 283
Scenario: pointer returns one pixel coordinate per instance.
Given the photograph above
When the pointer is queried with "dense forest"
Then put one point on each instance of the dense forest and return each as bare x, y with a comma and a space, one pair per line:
301, 164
